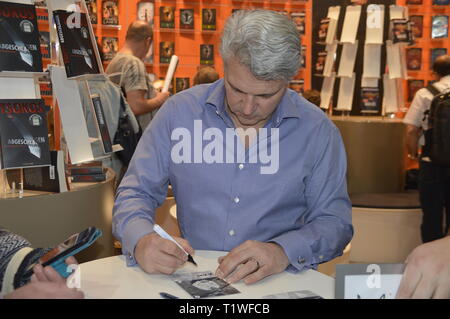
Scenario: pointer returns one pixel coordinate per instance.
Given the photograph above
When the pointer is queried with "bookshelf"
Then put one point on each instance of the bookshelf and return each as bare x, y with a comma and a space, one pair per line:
426, 10
187, 41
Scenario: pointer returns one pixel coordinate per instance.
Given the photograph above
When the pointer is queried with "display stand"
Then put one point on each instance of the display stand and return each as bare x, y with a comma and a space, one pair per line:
368, 94
17, 85
81, 128
326, 92
397, 71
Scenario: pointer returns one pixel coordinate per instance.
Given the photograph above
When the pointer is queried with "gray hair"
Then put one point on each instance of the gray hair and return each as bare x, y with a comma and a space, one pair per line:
267, 42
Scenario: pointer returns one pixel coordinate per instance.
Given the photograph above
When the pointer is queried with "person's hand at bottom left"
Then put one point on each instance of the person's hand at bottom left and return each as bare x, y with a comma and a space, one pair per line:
49, 274
46, 283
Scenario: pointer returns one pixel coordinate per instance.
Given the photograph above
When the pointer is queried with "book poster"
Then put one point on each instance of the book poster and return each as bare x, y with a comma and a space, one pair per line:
370, 100
20, 48
417, 26
208, 19
441, 2
299, 19
111, 12
206, 54
323, 29
320, 63
146, 12
187, 19
110, 46
76, 45
92, 10
167, 49
413, 87
439, 27
414, 59
401, 31
24, 133
181, 84
167, 17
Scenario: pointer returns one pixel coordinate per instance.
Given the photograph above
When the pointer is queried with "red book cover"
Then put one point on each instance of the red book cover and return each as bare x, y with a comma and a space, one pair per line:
413, 87
417, 26
414, 59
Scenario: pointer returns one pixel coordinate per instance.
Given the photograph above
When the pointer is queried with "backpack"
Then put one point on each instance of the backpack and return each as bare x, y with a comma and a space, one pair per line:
437, 136
126, 135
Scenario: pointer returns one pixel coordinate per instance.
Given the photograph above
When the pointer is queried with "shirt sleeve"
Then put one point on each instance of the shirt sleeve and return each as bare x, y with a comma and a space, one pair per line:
327, 226
144, 186
416, 111
134, 76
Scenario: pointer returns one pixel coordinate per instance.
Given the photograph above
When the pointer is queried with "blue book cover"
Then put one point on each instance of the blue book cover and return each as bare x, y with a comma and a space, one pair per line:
439, 26
441, 2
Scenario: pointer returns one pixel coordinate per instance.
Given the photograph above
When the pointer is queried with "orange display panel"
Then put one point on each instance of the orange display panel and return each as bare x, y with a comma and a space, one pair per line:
423, 15
187, 41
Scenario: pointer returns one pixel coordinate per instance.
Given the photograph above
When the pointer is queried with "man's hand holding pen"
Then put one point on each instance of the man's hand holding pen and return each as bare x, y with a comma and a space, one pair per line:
157, 255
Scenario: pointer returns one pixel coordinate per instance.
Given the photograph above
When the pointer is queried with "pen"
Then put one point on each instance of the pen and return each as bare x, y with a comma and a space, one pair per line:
161, 232
165, 295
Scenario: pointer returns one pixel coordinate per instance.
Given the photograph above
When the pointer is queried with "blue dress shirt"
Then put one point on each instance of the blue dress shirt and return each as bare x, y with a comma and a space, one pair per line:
303, 207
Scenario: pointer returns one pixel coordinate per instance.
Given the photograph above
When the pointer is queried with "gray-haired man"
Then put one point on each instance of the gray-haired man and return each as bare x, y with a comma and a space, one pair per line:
287, 209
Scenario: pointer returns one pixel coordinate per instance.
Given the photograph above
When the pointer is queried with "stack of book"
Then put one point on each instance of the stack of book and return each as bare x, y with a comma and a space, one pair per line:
92, 172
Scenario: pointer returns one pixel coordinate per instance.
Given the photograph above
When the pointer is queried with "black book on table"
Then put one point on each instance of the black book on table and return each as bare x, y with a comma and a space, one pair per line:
101, 122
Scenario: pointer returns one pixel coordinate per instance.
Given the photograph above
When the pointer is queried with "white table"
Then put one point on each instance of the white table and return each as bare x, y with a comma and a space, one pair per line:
111, 278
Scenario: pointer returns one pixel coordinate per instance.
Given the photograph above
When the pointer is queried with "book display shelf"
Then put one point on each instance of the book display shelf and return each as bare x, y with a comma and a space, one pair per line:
430, 29
358, 62
48, 69
33, 183
24, 141
191, 29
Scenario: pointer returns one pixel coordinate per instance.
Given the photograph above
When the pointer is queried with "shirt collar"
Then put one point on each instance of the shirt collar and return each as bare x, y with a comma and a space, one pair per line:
286, 109
216, 96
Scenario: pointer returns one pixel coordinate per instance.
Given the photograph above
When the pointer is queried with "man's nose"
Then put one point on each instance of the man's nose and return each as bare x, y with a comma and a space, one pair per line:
249, 104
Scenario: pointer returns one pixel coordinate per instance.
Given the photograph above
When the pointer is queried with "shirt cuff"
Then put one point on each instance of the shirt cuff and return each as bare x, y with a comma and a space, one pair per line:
299, 255
134, 231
